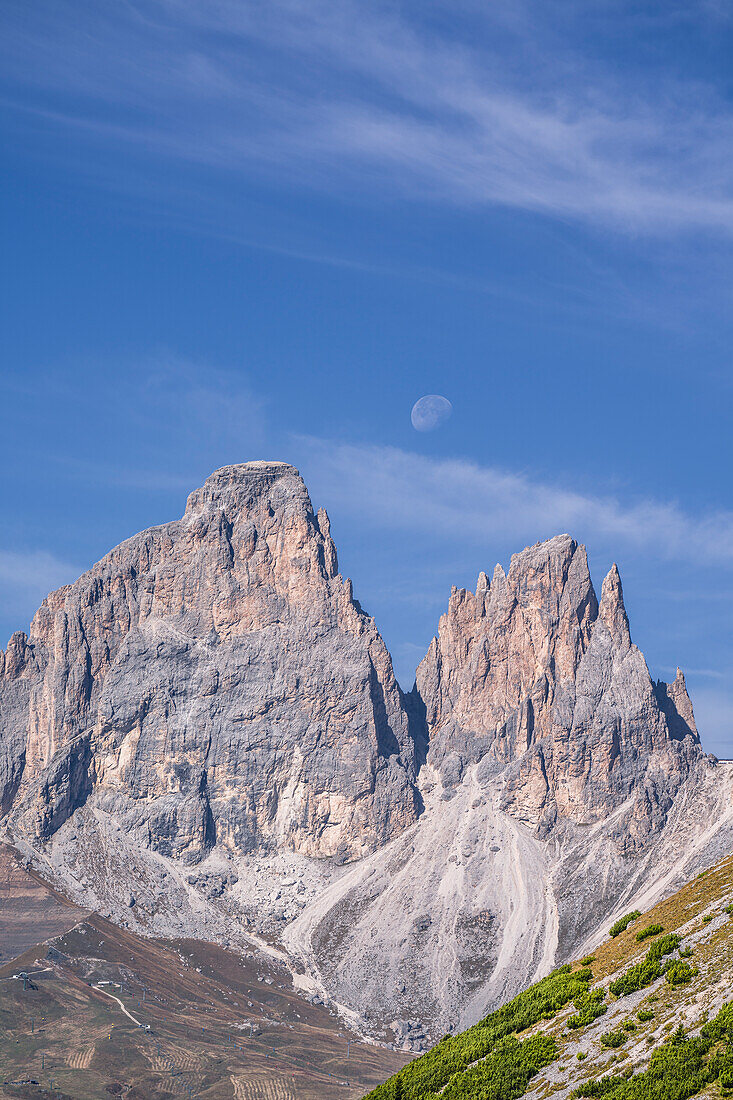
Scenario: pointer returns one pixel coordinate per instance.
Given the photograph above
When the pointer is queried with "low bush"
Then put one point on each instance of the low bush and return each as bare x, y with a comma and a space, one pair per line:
680, 973
588, 960
614, 1039
648, 970
623, 923
589, 1007
650, 930
665, 946
644, 1015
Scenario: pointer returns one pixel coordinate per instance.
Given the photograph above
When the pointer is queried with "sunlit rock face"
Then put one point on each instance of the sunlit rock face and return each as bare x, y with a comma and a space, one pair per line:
213, 681
532, 676
212, 693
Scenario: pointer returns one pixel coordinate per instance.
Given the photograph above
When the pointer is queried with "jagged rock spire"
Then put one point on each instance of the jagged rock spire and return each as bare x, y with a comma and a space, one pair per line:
612, 612
546, 684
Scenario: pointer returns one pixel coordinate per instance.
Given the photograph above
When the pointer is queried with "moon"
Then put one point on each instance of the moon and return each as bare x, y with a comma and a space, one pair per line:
430, 412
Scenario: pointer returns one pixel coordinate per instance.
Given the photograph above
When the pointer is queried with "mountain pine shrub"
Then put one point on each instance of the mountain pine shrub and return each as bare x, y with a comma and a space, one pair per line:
650, 930
648, 970
614, 1039
680, 1068
680, 973
623, 923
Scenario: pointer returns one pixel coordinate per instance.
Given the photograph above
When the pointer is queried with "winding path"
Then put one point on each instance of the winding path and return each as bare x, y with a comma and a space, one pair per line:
119, 1002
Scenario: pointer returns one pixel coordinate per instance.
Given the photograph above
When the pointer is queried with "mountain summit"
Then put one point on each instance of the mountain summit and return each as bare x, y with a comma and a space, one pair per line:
531, 674
213, 682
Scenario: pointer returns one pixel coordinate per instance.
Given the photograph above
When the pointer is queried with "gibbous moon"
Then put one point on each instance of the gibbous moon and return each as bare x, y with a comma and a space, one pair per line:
430, 412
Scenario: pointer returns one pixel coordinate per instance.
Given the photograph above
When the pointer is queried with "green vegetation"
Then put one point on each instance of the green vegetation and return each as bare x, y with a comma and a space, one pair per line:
648, 970
680, 973
707, 918
505, 1074
665, 946
623, 923
614, 1039
644, 1015
590, 959
650, 930
504, 1064
581, 1055
678, 1069
589, 1007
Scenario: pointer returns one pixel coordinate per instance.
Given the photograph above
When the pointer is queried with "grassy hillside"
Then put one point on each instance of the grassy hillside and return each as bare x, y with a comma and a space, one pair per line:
649, 1016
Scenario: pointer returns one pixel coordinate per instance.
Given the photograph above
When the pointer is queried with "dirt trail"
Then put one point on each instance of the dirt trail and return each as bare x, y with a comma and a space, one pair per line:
119, 1002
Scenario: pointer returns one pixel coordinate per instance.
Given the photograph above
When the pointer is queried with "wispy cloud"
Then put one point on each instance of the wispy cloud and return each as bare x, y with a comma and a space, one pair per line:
26, 578
35, 569
461, 104
714, 716
463, 501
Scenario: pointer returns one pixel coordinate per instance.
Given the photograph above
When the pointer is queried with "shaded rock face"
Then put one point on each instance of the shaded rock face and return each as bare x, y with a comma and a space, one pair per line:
212, 681
536, 679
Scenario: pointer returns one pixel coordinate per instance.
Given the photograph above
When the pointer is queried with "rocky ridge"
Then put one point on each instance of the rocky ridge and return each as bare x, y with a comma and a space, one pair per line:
533, 676
204, 736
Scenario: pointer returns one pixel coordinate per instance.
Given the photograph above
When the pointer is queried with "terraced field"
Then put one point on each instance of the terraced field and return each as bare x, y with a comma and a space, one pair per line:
102, 1012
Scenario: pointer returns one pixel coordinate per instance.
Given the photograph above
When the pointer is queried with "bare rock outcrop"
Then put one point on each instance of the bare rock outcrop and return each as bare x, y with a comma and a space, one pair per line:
533, 677
212, 680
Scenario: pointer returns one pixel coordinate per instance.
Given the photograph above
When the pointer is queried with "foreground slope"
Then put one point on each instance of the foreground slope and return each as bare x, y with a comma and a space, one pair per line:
648, 1015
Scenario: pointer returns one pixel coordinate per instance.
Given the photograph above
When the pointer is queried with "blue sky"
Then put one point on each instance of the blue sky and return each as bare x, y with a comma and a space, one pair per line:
237, 231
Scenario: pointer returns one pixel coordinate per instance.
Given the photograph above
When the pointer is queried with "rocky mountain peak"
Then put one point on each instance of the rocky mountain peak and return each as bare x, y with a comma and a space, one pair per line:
533, 676
677, 707
241, 486
213, 681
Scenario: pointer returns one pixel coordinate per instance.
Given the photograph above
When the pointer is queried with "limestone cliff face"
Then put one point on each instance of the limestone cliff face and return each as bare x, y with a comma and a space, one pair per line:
532, 676
212, 680
212, 692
